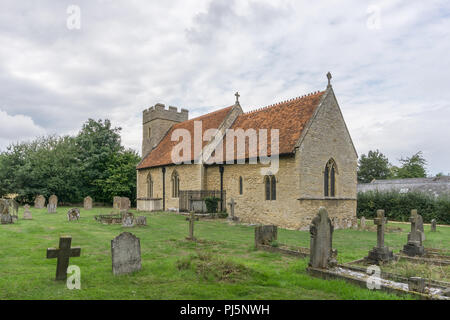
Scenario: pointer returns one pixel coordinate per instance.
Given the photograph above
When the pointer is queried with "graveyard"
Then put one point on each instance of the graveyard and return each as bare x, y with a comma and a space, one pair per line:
184, 257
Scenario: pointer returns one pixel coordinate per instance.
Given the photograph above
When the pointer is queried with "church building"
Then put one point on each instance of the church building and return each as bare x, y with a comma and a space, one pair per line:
279, 164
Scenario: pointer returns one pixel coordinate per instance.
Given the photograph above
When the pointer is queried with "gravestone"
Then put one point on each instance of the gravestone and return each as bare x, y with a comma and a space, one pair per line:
141, 221
416, 284
87, 205
191, 226
39, 202
433, 225
419, 226
125, 203
63, 254
380, 253
52, 204
232, 205
6, 219
73, 214
128, 220
5, 215
321, 241
414, 245
363, 223
126, 254
116, 203
265, 235
27, 213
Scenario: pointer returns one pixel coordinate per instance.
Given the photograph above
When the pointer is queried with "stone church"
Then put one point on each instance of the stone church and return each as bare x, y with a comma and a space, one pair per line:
316, 161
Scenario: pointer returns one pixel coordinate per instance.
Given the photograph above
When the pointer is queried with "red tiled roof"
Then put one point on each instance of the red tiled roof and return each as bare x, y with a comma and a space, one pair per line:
162, 154
289, 117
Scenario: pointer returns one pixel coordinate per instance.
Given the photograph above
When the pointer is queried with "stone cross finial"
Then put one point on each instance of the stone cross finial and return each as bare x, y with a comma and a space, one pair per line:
237, 97
329, 79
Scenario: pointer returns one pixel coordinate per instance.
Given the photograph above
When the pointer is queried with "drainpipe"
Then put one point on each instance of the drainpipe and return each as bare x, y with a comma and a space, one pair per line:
221, 169
164, 188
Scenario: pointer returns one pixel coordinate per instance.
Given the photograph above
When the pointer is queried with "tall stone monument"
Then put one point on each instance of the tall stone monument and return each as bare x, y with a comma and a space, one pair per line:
380, 253
321, 242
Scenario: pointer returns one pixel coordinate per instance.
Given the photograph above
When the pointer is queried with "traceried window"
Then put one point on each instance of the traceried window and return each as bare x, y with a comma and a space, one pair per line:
329, 179
270, 187
175, 185
241, 185
149, 186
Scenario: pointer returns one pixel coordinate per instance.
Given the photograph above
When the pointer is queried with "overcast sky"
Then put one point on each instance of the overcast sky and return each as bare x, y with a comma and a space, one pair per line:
390, 62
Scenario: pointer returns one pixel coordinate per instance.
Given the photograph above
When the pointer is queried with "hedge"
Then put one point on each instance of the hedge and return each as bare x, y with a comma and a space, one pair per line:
397, 206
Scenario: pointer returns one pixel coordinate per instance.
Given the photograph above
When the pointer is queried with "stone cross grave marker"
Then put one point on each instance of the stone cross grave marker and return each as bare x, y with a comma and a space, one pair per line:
380, 253
87, 203
363, 222
414, 245
433, 225
419, 226
232, 205
63, 254
321, 241
265, 235
125, 253
27, 213
39, 202
73, 214
191, 219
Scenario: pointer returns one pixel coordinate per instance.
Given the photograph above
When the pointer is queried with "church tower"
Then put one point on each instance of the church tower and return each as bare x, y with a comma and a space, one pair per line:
156, 122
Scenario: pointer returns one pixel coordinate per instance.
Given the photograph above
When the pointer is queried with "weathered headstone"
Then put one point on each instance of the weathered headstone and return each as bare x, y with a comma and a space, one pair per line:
126, 253
6, 219
125, 203
27, 213
52, 204
87, 205
265, 235
416, 284
414, 245
321, 242
363, 223
128, 220
116, 203
433, 225
141, 221
73, 214
191, 226
380, 253
63, 254
39, 202
5, 214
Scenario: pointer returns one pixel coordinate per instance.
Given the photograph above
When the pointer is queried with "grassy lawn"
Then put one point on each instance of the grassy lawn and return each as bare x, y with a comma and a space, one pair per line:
222, 265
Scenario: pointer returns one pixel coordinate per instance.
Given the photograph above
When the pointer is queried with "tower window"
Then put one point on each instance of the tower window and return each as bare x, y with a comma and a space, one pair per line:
270, 187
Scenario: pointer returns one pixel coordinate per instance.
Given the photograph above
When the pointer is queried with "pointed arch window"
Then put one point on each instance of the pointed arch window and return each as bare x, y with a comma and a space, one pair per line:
270, 187
329, 179
241, 185
149, 186
175, 185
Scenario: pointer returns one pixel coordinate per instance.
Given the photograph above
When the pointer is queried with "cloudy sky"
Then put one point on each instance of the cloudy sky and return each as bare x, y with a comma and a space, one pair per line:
390, 62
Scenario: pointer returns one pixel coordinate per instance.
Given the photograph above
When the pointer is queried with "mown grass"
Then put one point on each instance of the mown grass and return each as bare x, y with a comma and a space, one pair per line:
222, 265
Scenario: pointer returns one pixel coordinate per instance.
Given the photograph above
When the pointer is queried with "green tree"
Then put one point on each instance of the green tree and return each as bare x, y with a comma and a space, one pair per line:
412, 167
373, 166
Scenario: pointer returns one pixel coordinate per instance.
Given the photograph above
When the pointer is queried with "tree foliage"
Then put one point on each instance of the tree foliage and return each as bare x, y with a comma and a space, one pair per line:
91, 163
412, 167
373, 166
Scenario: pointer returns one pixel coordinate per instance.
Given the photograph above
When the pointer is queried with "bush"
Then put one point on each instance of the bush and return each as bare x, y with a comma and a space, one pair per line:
398, 206
212, 203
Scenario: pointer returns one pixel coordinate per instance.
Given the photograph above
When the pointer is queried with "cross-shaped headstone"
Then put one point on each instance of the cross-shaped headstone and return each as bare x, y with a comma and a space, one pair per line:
237, 97
380, 221
191, 226
232, 205
63, 254
414, 236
